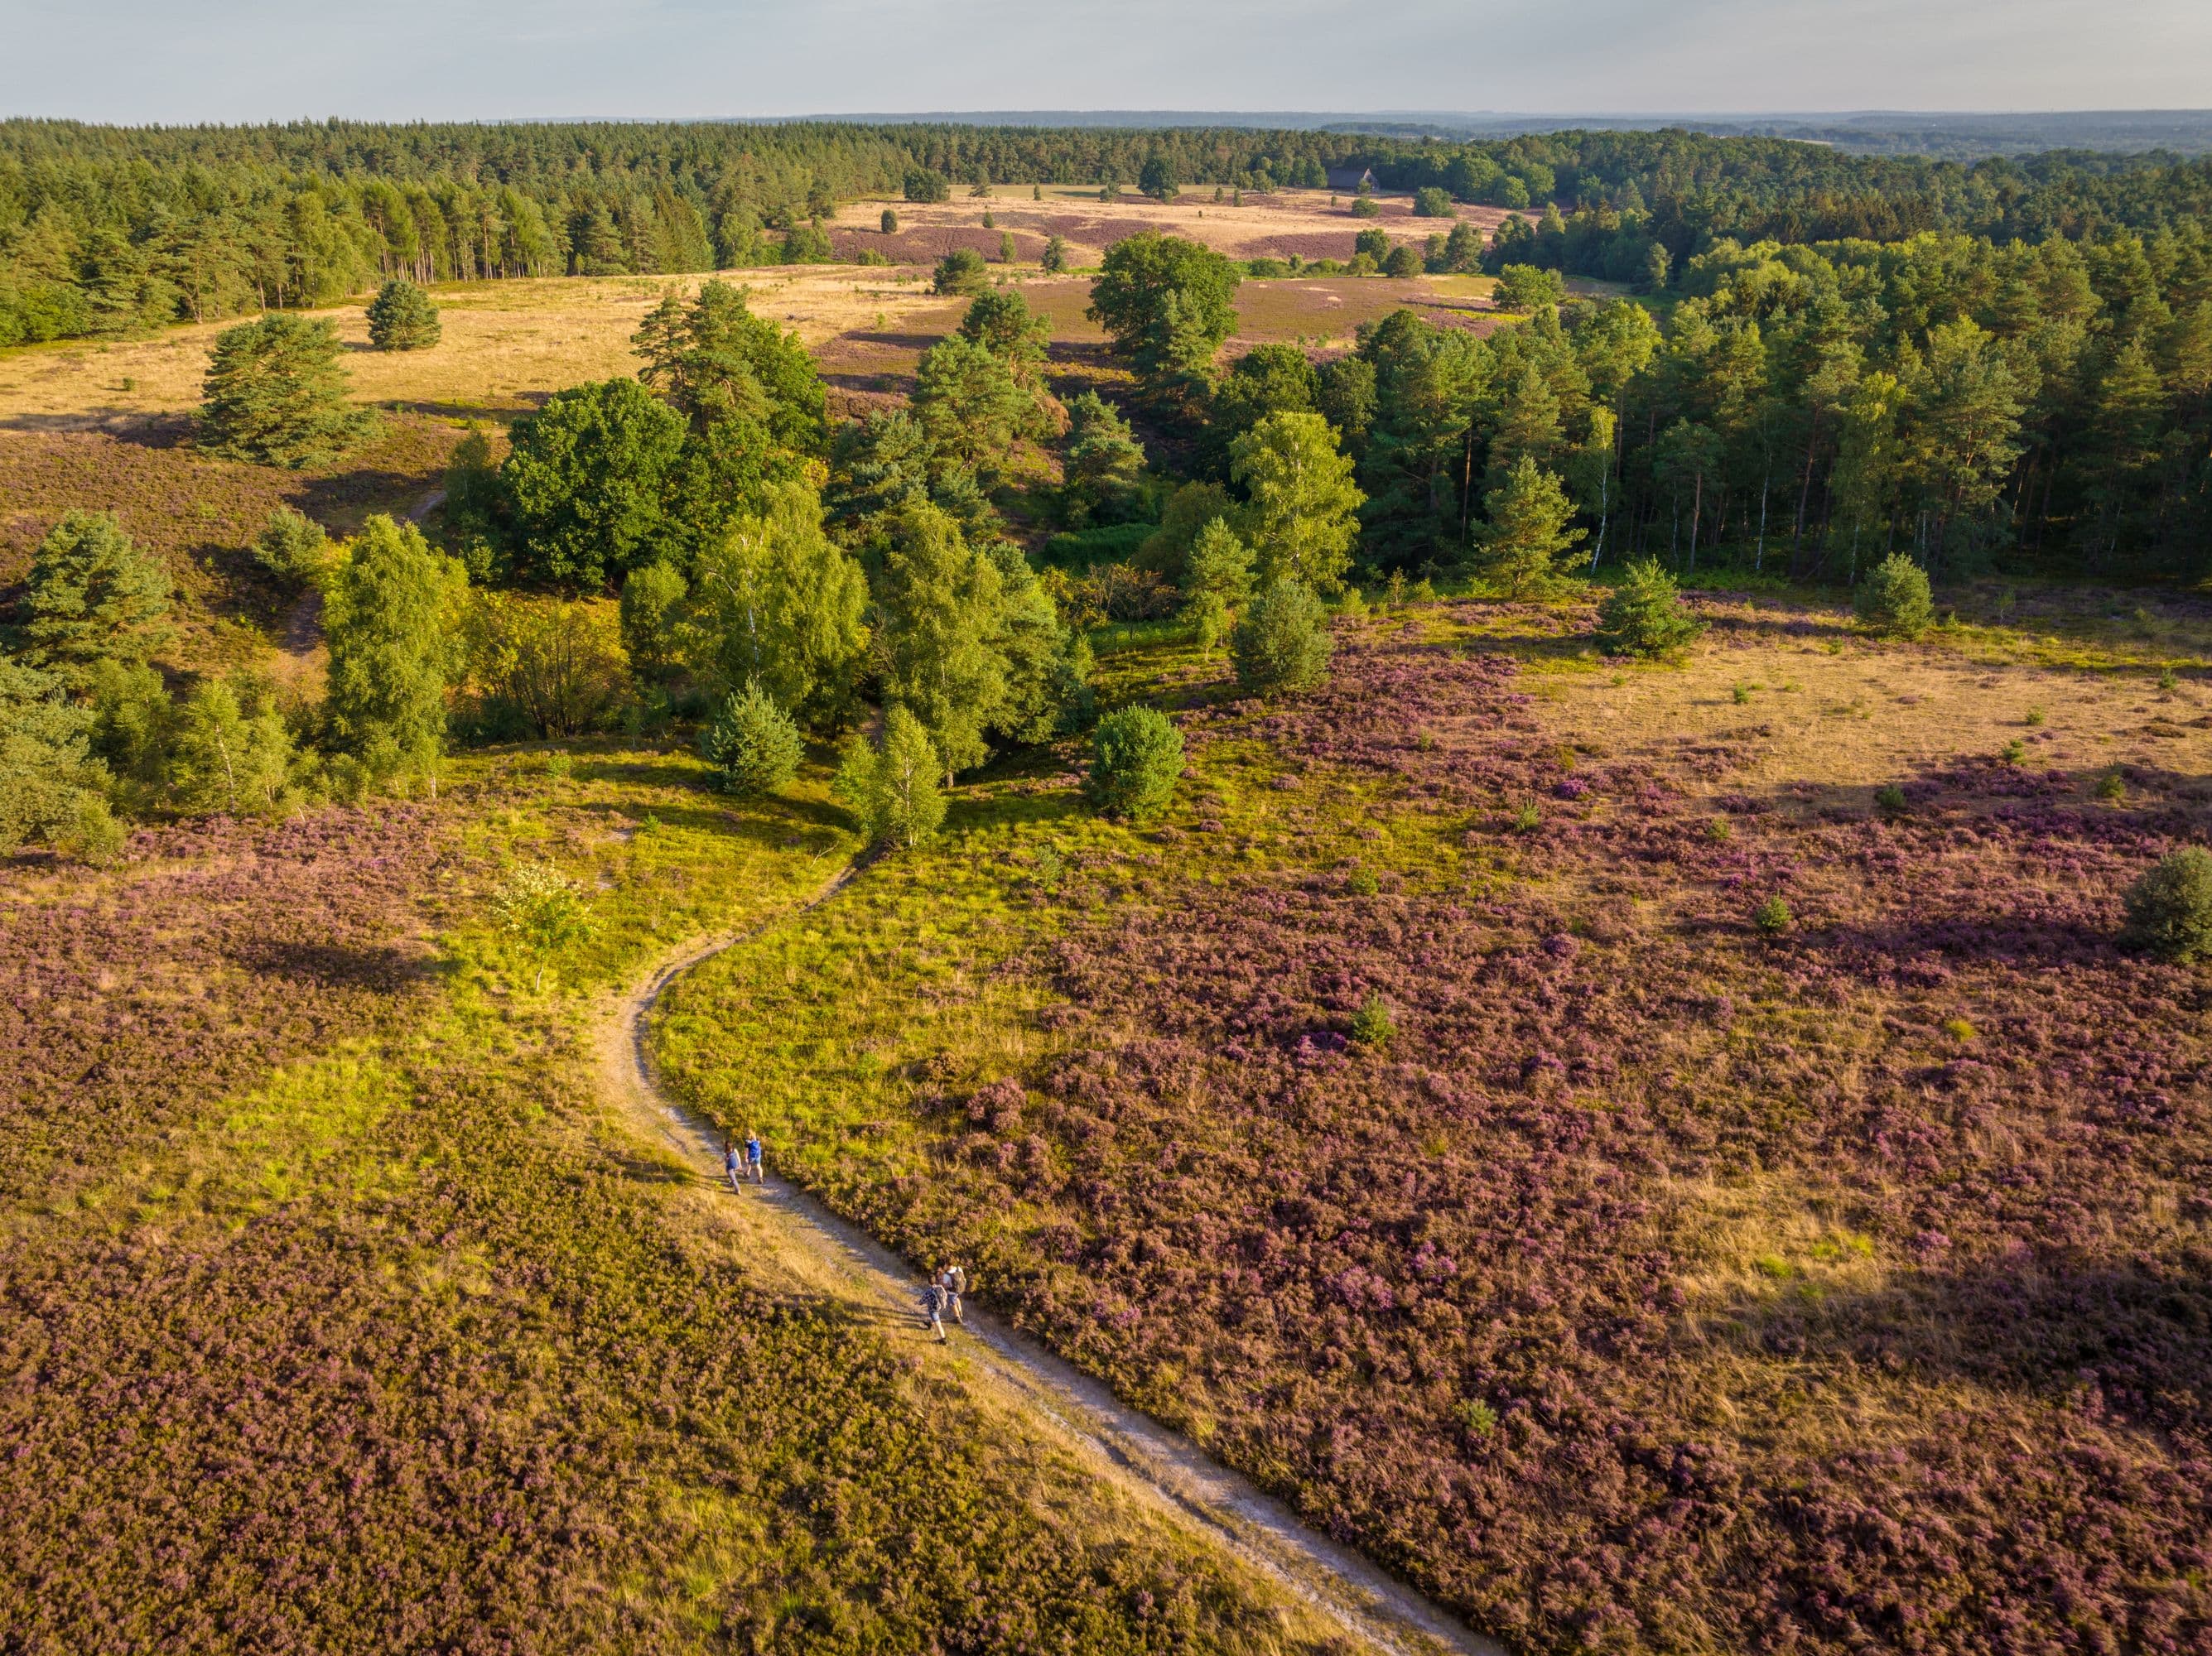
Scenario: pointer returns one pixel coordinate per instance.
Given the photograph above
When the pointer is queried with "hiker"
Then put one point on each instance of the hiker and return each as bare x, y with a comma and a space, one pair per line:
753, 1157
933, 1299
730, 1163
956, 1284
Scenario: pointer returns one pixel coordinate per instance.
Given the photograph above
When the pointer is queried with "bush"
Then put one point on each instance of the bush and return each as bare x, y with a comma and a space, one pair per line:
752, 744
1055, 256
960, 271
1889, 798
2170, 909
1136, 757
401, 317
1773, 917
1281, 642
1893, 601
1643, 615
1366, 208
1431, 202
1372, 1024
1401, 261
890, 222
293, 548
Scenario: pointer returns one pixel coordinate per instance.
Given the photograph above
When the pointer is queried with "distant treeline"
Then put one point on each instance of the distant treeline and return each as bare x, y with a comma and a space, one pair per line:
107, 230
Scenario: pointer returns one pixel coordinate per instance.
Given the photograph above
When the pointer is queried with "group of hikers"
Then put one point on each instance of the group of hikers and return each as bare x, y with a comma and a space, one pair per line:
741, 1163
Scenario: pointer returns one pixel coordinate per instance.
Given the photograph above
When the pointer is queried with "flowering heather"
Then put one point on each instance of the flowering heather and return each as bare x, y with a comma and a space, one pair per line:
217, 950
1662, 1284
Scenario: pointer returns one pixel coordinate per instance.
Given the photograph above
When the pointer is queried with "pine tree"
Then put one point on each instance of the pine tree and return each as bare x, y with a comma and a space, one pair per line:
402, 318
275, 395
92, 596
1526, 542
52, 790
1136, 757
753, 744
1281, 642
389, 622
971, 405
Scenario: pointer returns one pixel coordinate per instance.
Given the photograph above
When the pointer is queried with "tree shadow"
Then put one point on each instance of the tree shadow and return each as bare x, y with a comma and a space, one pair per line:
384, 969
2132, 1338
134, 426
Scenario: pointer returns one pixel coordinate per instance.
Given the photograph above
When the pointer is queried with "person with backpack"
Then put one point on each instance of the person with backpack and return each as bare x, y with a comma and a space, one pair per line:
731, 1165
933, 1300
956, 1284
753, 1152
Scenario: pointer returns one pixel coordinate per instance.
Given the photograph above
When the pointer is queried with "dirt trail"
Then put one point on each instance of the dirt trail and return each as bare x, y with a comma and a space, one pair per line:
790, 1236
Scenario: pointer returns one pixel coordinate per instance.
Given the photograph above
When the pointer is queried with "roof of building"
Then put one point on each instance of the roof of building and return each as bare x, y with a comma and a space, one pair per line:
1349, 177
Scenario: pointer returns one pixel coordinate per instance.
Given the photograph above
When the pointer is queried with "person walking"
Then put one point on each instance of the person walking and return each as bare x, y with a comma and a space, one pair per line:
933, 1300
731, 1168
956, 1284
753, 1153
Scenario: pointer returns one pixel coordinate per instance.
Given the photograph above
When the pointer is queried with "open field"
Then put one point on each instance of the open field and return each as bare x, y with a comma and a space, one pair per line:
341, 1311
1660, 1285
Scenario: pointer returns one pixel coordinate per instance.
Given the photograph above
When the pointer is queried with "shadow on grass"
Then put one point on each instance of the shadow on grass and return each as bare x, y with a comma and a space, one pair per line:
381, 969
2133, 1338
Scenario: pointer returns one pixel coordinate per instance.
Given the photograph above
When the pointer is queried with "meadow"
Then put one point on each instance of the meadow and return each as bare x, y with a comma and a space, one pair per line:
1659, 1281
340, 1311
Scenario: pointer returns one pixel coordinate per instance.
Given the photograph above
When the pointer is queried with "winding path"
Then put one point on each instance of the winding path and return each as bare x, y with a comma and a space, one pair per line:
789, 1231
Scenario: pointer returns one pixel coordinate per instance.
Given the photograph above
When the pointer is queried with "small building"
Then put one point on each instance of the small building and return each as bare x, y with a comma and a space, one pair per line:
1350, 180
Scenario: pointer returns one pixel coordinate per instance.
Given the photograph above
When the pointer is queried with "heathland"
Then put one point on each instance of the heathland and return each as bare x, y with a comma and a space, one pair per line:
1524, 845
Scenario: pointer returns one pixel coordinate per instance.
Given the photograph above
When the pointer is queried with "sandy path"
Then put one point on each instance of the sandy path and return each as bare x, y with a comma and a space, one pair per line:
791, 1237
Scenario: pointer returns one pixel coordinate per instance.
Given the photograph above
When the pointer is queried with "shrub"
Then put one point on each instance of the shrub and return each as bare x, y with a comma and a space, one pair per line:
1889, 798
1366, 208
753, 744
1893, 601
1401, 261
1281, 642
1055, 256
293, 548
1527, 819
540, 665
1362, 883
2170, 909
1372, 1024
1773, 917
890, 222
1430, 203
2112, 786
401, 317
1719, 829
2013, 751
1479, 1419
1136, 757
960, 271
542, 906
1643, 615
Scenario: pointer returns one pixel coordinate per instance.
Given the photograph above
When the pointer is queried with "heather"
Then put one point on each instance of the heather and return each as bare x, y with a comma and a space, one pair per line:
1657, 1282
339, 1314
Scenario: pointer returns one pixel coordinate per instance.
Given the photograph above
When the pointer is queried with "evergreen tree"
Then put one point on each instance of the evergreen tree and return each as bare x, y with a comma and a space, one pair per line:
1104, 472
1302, 515
753, 744
1044, 667
969, 405
961, 272
1001, 322
1217, 581
892, 788
402, 318
718, 361
52, 790
1055, 259
942, 607
1526, 543
1894, 600
275, 395
388, 619
1136, 757
92, 596
890, 222
293, 548
1281, 643
1643, 615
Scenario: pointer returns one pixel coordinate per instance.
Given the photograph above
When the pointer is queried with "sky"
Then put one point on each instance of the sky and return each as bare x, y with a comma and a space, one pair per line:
136, 61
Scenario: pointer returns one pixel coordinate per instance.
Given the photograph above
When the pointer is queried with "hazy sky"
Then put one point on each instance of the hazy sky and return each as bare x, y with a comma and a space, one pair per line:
192, 60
